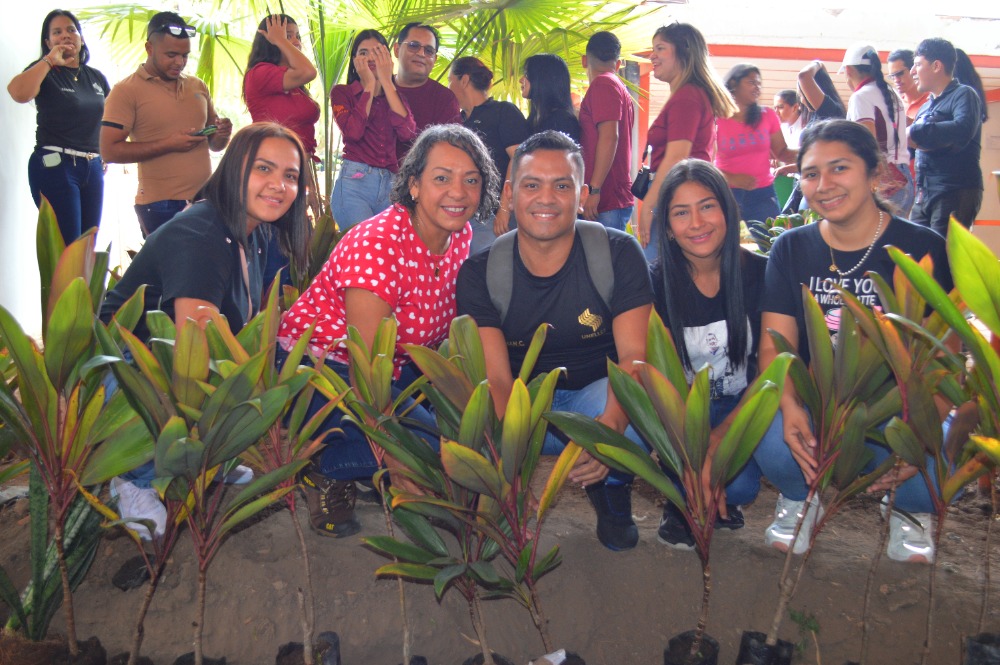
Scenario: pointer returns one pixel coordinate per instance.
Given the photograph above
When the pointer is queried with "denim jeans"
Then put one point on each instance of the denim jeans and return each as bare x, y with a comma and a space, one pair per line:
777, 464
74, 188
348, 455
588, 401
652, 250
616, 219
154, 215
361, 192
756, 204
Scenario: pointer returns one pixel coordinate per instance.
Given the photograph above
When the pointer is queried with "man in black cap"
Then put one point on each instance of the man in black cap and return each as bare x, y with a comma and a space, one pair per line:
164, 121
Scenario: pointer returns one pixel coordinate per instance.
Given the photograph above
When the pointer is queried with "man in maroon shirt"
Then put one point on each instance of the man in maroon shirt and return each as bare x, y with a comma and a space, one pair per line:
606, 118
430, 102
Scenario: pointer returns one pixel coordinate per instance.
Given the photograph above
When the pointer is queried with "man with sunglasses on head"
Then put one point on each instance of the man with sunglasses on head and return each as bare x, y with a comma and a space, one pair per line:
431, 103
164, 121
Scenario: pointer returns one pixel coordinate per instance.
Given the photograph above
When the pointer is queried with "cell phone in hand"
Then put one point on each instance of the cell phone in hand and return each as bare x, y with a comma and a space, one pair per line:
207, 131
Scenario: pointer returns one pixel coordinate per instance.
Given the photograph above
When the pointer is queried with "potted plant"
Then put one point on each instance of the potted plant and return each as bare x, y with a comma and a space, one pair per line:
673, 418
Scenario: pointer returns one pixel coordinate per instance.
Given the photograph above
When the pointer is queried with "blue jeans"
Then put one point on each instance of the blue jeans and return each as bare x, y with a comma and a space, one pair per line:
756, 204
616, 219
361, 192
154, 215
776, 462
74, 188
348, 455
903, 199
652, 250
588, 401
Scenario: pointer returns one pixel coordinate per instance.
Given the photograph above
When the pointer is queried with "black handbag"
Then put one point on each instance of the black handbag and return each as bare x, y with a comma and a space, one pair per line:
640, 186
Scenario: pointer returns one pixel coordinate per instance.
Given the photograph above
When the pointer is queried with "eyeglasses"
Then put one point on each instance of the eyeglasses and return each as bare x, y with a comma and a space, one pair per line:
416, 47
895, 76
177, 30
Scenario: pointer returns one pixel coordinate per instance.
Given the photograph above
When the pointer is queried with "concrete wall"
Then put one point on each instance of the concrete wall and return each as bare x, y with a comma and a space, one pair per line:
19, 282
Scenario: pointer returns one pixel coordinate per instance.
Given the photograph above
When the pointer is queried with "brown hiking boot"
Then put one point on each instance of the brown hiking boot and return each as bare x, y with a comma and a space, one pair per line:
330, 502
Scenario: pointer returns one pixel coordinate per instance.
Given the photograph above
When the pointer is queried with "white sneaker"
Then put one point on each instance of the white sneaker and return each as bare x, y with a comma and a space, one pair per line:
136, 503
781, 533
240, 475
909, 542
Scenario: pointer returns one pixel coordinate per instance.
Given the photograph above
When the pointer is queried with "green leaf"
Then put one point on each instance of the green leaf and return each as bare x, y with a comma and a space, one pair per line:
484, 573
69, 333
176, 454
466, 343
696, 421
262, 484
516, 431
190, 366
470, 469
421, 532
129, 447
637, 403
408, 570
446, 576
976, 272
477, 418
820, 345
533, 351
661, 353
557, 478
248, 510
399, 550
751, 422
904, 443
446, 376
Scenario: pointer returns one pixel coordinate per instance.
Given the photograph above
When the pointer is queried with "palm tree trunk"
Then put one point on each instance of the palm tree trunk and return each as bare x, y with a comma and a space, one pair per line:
706, 580
74, 648
306, 606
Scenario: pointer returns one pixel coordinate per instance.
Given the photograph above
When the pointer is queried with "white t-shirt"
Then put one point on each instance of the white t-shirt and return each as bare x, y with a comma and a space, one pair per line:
792, 130
867, 103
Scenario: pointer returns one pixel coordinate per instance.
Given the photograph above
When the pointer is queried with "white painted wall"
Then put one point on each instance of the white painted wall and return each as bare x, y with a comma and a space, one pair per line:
19, 281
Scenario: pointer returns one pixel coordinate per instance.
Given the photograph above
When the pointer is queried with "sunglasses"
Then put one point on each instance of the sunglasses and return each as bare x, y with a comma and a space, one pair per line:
416, 47
177, 30
895, 76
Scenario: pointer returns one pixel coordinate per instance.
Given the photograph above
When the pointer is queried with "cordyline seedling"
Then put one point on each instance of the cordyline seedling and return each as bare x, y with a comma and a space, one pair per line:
59, 418
204, 413
369, 402
924, 368
848, 391
291, 439
478, 489
674, 419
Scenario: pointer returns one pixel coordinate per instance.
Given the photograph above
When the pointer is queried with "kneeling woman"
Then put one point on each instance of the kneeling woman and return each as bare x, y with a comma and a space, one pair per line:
402, 263
210, 258
706, 289
840, 163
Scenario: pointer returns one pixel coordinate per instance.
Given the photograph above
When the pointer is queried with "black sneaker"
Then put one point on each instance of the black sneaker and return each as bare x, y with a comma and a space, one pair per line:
674, 530
735, 520
613, 503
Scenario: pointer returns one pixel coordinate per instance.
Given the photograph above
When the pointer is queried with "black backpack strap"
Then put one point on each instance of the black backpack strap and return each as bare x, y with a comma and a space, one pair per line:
500, 272
597, 249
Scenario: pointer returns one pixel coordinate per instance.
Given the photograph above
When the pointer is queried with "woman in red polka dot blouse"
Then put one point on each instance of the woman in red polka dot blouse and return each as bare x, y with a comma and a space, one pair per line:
402, 263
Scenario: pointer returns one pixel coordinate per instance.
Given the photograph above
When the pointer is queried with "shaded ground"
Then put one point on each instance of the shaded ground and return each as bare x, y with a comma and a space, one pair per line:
612, 608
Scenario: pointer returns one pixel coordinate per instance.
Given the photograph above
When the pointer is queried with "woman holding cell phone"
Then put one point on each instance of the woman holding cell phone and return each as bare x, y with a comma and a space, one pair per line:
66, 166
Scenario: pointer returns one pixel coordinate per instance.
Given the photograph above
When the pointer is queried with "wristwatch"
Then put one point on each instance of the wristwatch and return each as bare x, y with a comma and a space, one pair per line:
594, 190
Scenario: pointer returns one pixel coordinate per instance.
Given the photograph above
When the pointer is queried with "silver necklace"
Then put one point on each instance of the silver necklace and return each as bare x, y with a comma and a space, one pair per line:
846, 273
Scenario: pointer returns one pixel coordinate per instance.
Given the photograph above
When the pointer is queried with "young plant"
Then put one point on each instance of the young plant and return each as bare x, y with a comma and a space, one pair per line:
924, 369
58, 418
674, 419
204, 413
483, 477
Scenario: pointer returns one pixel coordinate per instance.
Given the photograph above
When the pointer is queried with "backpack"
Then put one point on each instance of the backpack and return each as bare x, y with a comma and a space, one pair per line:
596, 249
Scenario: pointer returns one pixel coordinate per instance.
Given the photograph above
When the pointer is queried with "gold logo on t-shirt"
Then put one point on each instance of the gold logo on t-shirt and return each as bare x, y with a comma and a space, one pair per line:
593, 321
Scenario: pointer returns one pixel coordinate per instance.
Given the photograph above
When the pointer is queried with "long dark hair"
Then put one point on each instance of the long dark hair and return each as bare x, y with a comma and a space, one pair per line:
675, 270
264, 51
352, 71
826, 84
549, 78
966, 73
856, 137
84, 51
226, 189
752, 116
465, 140
873, 71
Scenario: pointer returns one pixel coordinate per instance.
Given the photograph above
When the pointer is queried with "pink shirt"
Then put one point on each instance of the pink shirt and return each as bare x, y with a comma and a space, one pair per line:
687, 116
267, 99
747, 150
370, 138
607, 100
383, 255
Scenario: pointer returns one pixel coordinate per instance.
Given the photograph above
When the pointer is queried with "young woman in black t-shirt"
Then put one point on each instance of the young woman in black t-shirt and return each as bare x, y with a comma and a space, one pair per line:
706, 289
545, 84
65, 166
839, 162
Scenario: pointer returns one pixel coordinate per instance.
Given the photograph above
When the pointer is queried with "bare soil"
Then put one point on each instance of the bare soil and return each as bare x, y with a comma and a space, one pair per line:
612, 608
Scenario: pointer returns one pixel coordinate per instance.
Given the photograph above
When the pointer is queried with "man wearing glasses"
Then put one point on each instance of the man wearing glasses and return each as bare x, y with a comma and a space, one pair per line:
165, 122
431, 103
900, 64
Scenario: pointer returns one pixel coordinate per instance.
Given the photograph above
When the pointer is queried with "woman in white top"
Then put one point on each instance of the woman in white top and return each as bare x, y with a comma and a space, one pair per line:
876, 106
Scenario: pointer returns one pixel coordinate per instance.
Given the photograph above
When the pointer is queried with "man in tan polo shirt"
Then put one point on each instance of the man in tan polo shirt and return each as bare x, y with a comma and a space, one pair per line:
164, 121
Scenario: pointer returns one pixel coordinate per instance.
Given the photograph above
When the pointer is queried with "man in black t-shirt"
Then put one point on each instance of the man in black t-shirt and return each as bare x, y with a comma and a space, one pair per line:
552, 283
